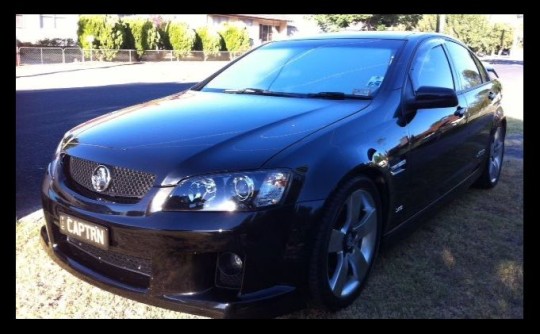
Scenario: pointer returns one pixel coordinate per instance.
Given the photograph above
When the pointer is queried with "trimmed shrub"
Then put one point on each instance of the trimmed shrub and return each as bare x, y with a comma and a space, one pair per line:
89, 25
181, 37
210, 41
108, 32
56, 42
236, 38
111, 38
143, 34
163, 31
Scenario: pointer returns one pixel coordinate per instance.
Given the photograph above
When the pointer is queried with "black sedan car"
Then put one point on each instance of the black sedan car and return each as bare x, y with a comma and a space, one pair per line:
277, 178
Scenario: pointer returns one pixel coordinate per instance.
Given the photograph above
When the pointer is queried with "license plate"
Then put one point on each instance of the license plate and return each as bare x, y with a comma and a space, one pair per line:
85, 231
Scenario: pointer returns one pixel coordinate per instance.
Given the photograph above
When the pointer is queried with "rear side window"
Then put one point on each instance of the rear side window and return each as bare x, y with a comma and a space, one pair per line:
482, 69
432, 69
468, 73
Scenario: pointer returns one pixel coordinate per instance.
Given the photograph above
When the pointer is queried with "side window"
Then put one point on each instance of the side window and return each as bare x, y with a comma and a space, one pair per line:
468, 73
483, 73
432, 69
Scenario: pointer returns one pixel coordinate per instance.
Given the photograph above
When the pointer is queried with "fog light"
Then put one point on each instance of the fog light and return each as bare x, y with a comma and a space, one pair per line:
230, 264
229, 271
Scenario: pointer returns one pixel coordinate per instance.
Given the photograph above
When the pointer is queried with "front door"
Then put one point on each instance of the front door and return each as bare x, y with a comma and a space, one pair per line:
437, 158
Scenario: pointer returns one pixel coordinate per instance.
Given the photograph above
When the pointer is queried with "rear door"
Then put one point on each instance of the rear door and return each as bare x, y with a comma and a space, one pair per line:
481, 94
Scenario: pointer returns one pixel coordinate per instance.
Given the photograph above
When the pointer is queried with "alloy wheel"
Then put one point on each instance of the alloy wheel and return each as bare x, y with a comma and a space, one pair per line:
496, 154
352, 243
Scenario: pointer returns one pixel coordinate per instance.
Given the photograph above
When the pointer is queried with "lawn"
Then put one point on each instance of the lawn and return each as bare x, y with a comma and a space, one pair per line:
465, 262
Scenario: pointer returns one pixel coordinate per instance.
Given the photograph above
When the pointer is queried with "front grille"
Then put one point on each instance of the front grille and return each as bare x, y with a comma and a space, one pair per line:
124, 182
127, 262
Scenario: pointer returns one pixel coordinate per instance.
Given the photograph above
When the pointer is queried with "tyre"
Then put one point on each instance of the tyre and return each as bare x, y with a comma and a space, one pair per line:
346, 244
493, 165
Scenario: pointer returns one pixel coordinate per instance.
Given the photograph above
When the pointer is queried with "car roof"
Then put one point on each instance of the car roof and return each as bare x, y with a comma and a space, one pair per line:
404, 35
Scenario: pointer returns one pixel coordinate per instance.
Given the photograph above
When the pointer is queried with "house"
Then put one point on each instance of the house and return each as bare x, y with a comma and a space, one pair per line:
34, 27
261, 27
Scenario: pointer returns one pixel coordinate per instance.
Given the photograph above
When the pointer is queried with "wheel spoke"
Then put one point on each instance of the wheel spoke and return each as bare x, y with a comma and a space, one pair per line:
367, 223
338, 280
358, 263
497, 149
354, 205
336, 241
495, 163
352, 243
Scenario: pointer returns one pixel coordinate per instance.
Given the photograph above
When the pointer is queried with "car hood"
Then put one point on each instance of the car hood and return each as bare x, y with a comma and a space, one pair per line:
199, 132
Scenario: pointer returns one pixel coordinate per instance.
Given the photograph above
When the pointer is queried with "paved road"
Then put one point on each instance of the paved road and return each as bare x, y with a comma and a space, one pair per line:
511, 75
43, 116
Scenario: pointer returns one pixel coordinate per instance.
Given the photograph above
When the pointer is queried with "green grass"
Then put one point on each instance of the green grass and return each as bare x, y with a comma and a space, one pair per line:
465, 262
514, 125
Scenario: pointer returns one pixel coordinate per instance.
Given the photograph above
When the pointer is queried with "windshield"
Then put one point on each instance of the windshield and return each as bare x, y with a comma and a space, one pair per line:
352, 67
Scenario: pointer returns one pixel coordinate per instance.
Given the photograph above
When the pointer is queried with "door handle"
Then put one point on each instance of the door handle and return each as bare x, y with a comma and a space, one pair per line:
460, 111
492, 95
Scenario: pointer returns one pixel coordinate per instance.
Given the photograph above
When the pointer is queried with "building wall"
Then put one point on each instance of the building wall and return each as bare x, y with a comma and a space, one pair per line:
277, 29
35, 27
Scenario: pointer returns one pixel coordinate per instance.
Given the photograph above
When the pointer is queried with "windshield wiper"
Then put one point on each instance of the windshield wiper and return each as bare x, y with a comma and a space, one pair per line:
337, 96
244, 91
258, 91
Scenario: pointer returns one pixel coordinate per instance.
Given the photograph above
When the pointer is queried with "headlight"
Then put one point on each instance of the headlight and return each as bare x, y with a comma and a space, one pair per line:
229, 192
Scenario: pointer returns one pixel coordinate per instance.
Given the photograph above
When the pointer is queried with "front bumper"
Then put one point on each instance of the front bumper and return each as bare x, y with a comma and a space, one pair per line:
169, 259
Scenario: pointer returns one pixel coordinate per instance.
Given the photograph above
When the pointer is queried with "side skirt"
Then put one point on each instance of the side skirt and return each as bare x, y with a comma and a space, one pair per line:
411, 224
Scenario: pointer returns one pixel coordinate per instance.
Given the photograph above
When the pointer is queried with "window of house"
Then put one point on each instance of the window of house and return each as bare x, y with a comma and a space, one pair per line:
219, 20
265, 32
19, 21
52, 21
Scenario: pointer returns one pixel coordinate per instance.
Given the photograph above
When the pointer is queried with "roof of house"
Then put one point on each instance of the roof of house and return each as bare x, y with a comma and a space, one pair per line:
277, 17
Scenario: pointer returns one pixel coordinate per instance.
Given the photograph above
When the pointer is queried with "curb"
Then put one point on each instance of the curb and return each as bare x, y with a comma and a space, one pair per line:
33, 217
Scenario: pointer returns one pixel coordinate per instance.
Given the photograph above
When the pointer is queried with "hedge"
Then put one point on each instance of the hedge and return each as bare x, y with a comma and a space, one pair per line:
236, 38
181, 37
209, 41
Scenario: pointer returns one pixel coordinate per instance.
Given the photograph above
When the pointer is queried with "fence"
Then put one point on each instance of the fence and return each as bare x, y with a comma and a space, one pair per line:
53, 55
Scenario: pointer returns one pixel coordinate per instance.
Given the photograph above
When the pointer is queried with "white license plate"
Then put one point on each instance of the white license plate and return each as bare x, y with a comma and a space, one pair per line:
85, 231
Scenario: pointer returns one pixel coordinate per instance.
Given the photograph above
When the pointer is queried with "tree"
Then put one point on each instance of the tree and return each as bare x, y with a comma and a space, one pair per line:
210, 41
107, 32
474, 30
335, 22
236, 38
143, 34
181, 37
428, 23
501, 37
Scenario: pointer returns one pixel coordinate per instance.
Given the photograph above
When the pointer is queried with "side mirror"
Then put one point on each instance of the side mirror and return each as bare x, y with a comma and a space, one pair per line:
427, 97
491, 69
